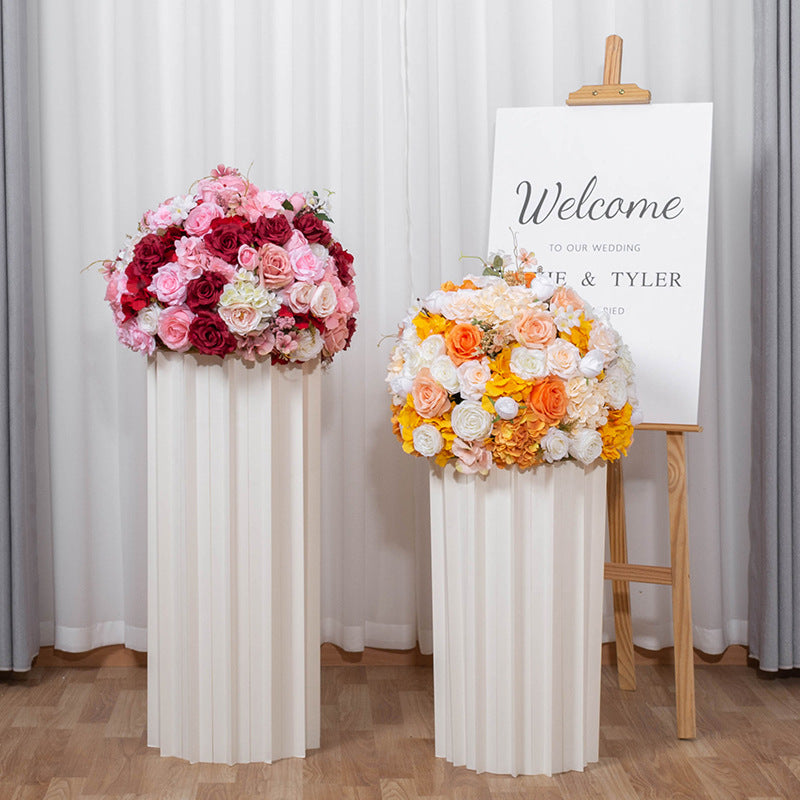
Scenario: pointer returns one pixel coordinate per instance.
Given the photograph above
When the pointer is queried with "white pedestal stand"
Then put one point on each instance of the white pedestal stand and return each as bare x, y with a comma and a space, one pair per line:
517, 562
233, 559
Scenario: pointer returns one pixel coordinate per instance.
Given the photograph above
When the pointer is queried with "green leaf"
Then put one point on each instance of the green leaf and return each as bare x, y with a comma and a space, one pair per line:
498, 262
288, 206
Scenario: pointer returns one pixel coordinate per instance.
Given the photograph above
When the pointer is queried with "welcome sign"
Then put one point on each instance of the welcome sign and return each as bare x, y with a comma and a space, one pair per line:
613, 200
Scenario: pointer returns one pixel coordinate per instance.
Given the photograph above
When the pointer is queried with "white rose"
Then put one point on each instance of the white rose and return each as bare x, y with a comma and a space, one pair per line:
432, 347
148, 318
562, 359
400, 386
444, 371
323, 301
428, 440
433, 302
412, 361
472, 377
591, 365
528, 364
615, 390
543, 287
555, 445
470, 421
506, 407
298, 296
309, 345
320, 251
585, 445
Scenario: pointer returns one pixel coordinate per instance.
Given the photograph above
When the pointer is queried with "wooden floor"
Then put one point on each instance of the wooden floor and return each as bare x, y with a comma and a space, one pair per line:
80, 732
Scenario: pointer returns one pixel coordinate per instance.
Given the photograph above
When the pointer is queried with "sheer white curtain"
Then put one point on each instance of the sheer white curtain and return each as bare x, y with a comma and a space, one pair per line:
392, 106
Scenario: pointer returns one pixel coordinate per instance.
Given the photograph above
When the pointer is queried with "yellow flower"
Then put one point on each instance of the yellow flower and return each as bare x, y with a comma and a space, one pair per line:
429, 324
503, 381
617, 433
579, 335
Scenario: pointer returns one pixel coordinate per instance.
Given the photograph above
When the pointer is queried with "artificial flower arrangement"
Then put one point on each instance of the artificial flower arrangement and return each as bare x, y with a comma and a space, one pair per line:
230, 269
509, 369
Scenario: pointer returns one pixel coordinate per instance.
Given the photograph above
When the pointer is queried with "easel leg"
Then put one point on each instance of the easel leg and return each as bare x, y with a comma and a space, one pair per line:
617, 536
681, 586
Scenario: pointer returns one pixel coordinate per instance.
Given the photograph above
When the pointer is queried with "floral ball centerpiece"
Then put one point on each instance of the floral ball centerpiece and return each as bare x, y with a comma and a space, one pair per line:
509, 369
231, 269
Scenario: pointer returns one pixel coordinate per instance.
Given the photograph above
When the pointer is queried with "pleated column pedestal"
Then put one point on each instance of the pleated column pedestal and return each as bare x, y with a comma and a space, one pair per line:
517, 563
233, 559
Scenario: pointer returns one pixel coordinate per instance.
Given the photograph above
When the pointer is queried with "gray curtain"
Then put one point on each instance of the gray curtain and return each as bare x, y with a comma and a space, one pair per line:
774, 613
19, 624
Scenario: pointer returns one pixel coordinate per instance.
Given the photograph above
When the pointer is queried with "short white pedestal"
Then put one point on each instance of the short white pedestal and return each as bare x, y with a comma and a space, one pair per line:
517, 562
233, 559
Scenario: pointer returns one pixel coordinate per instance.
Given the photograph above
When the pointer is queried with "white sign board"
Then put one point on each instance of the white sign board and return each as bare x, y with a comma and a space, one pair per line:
613, 200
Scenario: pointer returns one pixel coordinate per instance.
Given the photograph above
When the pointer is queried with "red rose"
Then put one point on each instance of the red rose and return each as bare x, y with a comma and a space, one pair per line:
313, 228
226, 236
351, 329
272, 230
151, 252
344, 263
134, 302
203, 293
210, 335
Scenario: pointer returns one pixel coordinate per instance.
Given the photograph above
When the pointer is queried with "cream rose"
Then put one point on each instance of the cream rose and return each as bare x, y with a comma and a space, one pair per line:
585, 445
470, 421
458, 306
298, 296
543, 287
472, 377
615, 388
241, 318
148, 318
563, 358
428, 441
528, 364
323, 301
605, 340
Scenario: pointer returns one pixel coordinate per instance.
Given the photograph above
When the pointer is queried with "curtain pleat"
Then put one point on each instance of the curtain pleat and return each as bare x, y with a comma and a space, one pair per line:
774, 634
391, 105
19, 613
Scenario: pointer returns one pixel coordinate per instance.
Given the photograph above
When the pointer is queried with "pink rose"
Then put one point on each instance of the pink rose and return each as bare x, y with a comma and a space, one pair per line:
274, 266
131, 335
169, 285
117, 283
298, 297
305, 265
297, 200
248, 257
323, 302
200, 217
173, 328
226, 191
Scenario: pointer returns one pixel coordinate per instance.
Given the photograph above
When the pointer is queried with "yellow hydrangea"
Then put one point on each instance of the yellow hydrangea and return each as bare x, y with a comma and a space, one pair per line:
579, 335
503, 381
405, 419
429, 324
617, 433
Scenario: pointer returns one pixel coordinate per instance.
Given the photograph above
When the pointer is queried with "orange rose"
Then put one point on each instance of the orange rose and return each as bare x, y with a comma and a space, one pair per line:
534, 329
549, 399
429, 396
462, 342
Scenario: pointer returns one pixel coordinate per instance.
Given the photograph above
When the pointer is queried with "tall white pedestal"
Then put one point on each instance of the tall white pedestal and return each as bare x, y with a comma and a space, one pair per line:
233, 559
517, 563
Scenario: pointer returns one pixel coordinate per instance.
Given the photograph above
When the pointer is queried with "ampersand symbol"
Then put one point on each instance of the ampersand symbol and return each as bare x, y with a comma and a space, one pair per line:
588, 279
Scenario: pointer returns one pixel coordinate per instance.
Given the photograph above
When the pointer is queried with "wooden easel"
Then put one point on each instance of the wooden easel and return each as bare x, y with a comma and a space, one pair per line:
618, 570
